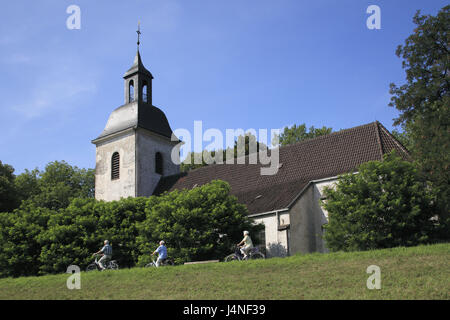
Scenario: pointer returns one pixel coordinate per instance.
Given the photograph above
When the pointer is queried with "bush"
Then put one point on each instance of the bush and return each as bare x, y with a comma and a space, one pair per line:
190, 222
36, 240
76, 232
384, 205
19, 246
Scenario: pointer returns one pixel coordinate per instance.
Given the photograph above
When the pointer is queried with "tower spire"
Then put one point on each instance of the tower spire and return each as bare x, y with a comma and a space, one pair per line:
138, 33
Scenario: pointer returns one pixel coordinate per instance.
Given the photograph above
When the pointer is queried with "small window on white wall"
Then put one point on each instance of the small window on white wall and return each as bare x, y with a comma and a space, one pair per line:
115, 166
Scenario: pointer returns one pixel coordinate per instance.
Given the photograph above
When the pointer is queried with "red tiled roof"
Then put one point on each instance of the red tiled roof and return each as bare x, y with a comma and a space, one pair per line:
317, 158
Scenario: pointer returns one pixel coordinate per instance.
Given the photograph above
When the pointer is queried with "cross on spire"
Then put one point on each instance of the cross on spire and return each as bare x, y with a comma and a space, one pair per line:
138, 33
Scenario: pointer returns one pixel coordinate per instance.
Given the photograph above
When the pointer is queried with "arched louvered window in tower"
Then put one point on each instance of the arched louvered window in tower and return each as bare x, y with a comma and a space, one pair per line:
145, 91
115, 166
131, 91
158, 163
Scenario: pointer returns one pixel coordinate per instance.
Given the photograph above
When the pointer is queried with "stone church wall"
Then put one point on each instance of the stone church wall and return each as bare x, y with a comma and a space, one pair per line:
148, 144
105, 188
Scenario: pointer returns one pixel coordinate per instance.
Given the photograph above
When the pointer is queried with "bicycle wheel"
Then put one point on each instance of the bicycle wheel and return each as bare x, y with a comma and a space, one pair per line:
257, 255
231, 257
169, 262
91, 267
113, 265
149, 265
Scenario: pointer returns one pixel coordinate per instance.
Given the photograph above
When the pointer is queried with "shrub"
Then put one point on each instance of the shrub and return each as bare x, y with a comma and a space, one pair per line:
385, 204
190, 221
36, 240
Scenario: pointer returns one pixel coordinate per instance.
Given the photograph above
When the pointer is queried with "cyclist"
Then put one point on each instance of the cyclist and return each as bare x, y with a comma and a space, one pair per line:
246, 244
162, 253
106, 252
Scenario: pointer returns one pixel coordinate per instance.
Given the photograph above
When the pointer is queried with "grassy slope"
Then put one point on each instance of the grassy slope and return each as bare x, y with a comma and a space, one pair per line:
406, 273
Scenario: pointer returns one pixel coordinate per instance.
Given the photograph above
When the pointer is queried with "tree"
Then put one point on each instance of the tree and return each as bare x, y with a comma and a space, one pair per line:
190, 221
58, 184
424, 100
75, 232
38, 240
386, 204
8, 191
19, 240
27, 184
404, 138
189, 162
294, 134
52, 188
248, 141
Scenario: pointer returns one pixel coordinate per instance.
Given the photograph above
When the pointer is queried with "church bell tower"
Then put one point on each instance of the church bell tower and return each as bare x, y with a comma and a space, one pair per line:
135, 148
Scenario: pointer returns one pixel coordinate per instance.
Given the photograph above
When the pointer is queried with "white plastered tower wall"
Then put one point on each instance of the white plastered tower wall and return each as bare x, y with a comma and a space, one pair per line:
138, 132
114, 189
148, 144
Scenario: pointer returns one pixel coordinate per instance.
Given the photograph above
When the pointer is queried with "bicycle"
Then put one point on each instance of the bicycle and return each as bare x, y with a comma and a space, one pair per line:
112, 265
253, 254
165, 262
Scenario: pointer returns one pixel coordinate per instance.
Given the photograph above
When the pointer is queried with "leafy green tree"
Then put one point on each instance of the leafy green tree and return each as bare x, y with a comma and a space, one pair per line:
247, 141
38, 240
76, 232
27, 184
59, 184
190, 221
424, 100
386, 204
52, 188
404, 138
189, 162
8, 192
294, 134
19, 240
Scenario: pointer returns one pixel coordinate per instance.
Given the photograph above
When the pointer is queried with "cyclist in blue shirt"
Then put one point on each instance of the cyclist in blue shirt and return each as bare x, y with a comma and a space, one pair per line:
107, 254
162, 253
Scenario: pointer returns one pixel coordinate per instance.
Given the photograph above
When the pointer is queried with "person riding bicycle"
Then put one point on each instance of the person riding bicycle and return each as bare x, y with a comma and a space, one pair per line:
162, 253
246, 244
106, 252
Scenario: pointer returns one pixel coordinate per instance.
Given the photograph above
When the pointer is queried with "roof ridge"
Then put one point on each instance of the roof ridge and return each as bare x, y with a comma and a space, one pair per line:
323, 157
328, 135
380, 144
289, 145
386, 131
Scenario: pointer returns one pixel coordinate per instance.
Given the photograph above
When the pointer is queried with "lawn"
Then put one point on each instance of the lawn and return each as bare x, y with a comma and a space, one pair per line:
421, 272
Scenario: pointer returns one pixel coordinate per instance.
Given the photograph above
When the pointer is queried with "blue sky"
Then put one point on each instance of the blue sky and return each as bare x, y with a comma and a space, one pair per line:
231, 64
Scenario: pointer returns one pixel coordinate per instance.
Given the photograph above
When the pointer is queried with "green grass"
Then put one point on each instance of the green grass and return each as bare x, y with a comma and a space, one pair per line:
421, 272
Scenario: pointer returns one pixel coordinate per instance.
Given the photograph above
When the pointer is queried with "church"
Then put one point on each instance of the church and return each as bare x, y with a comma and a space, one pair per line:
133, 159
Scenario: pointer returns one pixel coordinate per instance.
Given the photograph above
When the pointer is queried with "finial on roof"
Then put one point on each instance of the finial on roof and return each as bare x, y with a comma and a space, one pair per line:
138, 33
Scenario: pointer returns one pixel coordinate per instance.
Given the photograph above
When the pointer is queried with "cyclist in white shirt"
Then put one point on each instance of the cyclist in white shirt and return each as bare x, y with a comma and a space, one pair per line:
246, 244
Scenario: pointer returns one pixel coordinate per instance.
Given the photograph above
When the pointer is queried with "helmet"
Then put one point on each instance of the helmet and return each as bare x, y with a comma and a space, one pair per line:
246, 232
106, 242
162, 242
